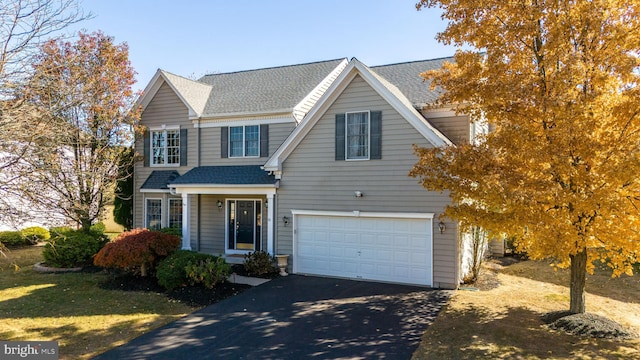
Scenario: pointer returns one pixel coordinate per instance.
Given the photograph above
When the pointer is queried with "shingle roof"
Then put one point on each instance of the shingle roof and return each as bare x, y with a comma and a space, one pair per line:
159, 179
194, 93
223, 175
406, 77
264, 90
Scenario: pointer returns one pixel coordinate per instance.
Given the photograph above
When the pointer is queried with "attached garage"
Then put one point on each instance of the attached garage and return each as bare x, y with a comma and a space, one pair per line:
393, 247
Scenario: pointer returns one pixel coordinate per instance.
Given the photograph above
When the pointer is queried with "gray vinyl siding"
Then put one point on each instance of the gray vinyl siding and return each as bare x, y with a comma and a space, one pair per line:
210, 145
207, 225
456, 128
165, 109
212, 225
313, 180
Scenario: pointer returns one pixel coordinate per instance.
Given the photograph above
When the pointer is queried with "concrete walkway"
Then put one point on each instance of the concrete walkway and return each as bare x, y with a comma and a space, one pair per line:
298, 317
246, 280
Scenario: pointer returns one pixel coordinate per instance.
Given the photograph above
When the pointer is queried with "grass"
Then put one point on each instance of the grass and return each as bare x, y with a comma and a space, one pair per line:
504, 322
70, 308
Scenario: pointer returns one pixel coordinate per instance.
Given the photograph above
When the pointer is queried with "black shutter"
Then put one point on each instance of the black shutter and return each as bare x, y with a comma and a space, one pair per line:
264, 140
340, 118
147, 147
376, 135
224, 142
183, 147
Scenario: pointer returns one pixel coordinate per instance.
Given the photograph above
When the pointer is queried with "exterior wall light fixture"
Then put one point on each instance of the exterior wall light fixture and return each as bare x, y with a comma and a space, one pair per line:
219, 203
442, 227
285, 220
358, 194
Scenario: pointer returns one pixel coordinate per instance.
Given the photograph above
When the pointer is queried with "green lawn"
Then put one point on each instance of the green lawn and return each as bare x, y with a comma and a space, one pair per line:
71, 309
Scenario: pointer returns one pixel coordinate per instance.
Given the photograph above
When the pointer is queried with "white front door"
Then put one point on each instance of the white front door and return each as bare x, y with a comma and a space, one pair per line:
376, 247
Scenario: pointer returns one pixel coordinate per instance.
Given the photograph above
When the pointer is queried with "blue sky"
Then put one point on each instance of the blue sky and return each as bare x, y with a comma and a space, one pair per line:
193, 38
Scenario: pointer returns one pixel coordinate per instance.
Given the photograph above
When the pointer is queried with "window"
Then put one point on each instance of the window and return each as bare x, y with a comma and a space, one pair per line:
357, 136
175, 213
165, 147
154, 214
244, 141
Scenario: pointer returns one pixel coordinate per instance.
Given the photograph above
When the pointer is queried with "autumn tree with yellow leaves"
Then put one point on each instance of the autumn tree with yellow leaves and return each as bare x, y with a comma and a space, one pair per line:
559, 83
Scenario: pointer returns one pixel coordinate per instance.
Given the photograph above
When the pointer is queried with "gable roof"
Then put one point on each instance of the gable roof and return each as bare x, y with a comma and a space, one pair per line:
192, 93
292, 89
269, 90
406, 77
387, 90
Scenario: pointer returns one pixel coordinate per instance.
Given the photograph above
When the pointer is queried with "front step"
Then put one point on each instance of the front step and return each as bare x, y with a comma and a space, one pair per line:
234, 258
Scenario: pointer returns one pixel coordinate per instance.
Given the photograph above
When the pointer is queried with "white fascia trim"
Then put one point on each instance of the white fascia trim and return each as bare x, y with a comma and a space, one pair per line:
156, 191
192, 112
317, 92
243, 121
246, 114
153, 87
150, 90
369, 214
164, 127
225, 189
412, 115
274, 163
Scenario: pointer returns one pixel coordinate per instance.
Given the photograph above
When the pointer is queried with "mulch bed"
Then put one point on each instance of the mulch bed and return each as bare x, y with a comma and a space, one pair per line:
238, 269
587, 324
194, 296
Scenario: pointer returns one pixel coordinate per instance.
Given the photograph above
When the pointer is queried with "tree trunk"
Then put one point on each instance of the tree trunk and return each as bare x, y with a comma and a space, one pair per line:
85, 225
578, 277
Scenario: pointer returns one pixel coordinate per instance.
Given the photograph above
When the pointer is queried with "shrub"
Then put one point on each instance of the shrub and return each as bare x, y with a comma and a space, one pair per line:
171, 271
260, 263
172, 231
98, 228
209, 272
60, 230
137, 251
35, 234
72, 248
11, 238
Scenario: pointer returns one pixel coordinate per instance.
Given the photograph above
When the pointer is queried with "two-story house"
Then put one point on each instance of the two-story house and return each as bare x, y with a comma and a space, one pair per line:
307, 160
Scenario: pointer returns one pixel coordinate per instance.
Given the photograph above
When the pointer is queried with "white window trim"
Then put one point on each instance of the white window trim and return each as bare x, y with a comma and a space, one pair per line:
163, 129
169, 211
243, 142
346, 135
146, 207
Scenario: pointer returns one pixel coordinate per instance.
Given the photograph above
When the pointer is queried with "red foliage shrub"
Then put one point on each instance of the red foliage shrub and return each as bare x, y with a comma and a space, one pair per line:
137, 251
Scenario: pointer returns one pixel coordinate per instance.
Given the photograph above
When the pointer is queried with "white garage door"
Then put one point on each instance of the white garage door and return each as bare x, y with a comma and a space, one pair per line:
366, 246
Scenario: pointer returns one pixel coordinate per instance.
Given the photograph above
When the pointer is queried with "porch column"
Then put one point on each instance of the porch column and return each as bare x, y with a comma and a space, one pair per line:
272, 205
186, 219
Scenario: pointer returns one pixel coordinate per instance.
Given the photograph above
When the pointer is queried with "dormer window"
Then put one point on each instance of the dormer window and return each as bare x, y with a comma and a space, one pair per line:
165, 147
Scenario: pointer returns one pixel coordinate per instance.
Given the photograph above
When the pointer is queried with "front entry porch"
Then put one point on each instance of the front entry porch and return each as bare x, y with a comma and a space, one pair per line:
227, 210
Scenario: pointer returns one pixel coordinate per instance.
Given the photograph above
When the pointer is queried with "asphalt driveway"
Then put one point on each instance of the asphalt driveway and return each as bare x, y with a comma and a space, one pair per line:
298, 317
